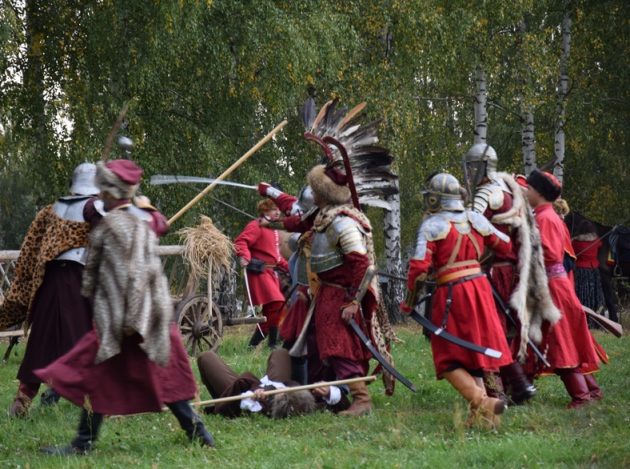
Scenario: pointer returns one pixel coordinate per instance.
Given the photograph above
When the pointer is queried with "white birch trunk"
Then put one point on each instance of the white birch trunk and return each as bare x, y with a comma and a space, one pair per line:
393, 290
563, 90
528, 141
481, 114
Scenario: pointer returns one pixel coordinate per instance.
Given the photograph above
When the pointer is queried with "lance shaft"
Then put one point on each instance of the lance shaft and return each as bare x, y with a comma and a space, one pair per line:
306, 387
228, 171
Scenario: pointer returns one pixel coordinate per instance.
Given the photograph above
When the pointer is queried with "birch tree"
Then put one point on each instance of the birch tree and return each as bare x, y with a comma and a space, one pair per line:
563, 92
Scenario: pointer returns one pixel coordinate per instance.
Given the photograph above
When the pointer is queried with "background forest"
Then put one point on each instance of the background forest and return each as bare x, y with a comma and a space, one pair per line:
207, 79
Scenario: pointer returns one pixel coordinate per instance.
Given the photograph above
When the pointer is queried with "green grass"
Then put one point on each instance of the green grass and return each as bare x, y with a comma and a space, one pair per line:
406, 430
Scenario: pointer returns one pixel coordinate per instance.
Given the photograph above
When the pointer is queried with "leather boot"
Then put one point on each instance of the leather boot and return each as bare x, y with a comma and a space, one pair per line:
20, 405
594, 389
257, 338
23, 399
576, 386
89, 425
484, 410
299, 371
49, 397
361, 401
272, 338
518, 386
191, 423
494, 386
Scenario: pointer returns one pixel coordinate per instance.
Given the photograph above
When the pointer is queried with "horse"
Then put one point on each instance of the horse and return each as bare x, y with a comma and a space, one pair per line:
615, 240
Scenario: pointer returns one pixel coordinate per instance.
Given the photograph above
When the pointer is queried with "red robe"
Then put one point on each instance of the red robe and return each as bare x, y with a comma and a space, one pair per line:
568, 342
263, 244
335, 338
473, 315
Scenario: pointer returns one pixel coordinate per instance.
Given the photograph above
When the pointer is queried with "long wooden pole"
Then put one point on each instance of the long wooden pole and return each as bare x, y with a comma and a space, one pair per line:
228, 171
306, 387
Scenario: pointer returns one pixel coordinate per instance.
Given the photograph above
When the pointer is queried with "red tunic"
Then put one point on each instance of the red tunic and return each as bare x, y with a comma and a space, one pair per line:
586, 252
473, 315
263, 244
568, 342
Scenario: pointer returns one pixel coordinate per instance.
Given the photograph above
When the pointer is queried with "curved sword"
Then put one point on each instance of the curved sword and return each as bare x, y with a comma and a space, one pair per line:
440, 332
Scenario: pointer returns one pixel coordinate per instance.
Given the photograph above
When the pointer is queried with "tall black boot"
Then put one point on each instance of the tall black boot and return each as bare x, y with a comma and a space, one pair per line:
299, 370
49, 397
191, 423
257, 337
272, 340
517, 383
89, 425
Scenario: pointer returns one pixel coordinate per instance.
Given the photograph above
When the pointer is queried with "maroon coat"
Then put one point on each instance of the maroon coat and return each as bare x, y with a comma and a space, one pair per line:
262, 244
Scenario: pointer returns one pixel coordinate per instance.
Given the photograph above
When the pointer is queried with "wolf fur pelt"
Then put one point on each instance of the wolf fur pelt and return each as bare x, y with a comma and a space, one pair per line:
124, 277
531, 298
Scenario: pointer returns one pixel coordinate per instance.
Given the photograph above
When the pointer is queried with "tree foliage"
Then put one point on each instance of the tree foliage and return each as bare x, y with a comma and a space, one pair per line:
207, 79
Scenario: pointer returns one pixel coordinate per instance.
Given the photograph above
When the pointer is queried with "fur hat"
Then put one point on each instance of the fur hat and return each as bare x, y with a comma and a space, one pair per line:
290, 404
327, 188
546, 184
119, 178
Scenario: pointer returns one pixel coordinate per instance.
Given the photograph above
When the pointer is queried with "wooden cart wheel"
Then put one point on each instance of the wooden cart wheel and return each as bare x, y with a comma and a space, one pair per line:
201, 329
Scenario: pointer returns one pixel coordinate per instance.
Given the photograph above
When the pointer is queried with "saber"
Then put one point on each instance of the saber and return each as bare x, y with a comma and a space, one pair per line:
440, 332
505, 311
163, 179
251, 304
363, 288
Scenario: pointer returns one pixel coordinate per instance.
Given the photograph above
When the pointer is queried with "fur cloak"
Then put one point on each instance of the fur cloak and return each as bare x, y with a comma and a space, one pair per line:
124, 276
531, 298
48, 236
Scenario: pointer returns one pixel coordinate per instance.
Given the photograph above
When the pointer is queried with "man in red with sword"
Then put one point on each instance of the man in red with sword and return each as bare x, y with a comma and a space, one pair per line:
451, 241
258, 249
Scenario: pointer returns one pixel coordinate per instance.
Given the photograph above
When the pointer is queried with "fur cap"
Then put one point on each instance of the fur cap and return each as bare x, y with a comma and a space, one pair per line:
546, 184
119, 178
326, 188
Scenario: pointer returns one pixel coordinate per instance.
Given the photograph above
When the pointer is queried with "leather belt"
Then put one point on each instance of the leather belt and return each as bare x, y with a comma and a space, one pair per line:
458, 275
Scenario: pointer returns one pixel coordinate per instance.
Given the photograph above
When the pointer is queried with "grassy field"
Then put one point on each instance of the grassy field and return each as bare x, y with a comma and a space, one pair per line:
407, 430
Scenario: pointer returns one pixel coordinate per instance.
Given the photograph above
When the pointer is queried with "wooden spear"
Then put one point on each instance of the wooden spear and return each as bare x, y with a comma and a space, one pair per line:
221, 400
228, 171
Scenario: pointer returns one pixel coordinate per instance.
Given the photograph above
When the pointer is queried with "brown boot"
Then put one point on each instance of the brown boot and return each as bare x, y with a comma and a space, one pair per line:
20, 405
361, 401
484, 410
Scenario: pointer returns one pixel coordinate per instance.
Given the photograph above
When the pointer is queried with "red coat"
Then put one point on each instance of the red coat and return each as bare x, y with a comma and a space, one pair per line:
568, 342
263, 244
473, 315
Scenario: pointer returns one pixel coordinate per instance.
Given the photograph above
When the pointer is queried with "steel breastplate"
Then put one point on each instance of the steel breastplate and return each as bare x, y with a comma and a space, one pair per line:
300, 269
324, 254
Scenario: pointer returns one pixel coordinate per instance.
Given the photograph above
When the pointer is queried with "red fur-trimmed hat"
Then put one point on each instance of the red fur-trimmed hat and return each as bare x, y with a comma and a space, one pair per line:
546, 184
119, 178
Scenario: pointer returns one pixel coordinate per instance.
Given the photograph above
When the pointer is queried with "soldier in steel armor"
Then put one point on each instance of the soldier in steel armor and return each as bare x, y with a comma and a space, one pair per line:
47, 284
450, 243
499, 198
340, 257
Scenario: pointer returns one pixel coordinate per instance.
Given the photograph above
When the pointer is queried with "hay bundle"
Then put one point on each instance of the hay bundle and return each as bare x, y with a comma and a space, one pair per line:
205, 245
